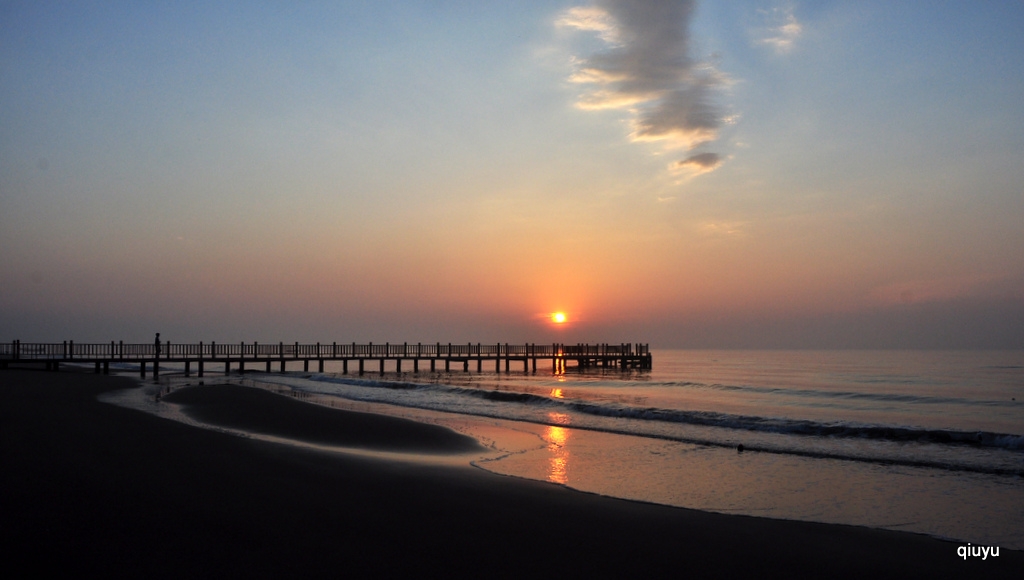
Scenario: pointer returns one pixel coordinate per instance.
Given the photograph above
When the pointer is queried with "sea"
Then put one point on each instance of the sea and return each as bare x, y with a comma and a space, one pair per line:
930, 442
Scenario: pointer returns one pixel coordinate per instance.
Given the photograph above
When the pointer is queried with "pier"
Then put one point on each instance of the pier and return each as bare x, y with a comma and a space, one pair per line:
356, 358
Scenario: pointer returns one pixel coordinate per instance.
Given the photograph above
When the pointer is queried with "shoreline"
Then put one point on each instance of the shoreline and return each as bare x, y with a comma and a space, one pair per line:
260, 411
124, 492
944, 504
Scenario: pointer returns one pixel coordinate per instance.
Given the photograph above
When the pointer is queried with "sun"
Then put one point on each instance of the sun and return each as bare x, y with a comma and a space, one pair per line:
558, 317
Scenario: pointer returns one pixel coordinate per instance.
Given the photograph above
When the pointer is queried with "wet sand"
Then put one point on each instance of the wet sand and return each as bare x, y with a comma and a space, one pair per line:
254, 410
92, 488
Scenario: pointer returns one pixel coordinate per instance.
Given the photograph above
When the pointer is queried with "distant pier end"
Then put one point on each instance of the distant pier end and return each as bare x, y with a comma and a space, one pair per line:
624, 356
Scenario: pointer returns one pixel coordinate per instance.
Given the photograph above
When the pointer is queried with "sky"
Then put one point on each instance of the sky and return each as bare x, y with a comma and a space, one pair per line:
691, 174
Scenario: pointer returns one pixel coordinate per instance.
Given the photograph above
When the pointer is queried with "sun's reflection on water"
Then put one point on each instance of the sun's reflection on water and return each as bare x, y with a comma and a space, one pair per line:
557, 437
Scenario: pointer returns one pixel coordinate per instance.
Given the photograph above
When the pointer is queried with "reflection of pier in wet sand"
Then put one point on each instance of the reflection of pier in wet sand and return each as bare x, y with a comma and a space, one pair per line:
237, 355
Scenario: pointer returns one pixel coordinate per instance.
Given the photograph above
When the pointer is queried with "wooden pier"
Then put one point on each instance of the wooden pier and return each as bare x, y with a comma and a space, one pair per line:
235, 356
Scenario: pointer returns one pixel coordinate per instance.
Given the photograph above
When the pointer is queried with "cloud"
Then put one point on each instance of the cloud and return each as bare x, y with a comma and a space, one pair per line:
698, 164
947, 289
722, 229
648, 69
783, 29
589, 18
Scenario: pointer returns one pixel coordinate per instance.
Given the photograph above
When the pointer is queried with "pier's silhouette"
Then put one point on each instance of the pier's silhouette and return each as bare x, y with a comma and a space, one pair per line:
235, 356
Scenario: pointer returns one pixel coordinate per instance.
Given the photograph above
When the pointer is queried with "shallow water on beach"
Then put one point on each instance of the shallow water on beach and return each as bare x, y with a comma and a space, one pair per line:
921, 441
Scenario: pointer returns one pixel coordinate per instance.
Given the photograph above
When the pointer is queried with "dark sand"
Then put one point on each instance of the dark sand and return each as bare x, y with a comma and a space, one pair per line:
258, 411
93, 489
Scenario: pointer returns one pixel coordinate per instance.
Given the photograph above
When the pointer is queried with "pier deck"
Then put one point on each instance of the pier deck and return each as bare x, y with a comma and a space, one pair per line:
623, 356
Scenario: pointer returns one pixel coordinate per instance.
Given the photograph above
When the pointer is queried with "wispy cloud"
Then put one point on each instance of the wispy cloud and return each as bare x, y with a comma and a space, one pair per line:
648, 69
782, 29
949, 288
590, 18
722, 229
698, 164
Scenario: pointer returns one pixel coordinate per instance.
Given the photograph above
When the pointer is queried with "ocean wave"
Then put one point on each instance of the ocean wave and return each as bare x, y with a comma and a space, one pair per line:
779, 425
844, 395
806, 427
385, 384
970, 451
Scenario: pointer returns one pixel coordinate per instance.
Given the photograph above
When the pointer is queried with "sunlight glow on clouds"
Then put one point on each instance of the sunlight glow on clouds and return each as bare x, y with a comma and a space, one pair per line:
648, 69
783, 29
590, 18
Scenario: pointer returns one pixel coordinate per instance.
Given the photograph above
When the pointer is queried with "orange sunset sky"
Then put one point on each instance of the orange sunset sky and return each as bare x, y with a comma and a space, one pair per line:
689, 174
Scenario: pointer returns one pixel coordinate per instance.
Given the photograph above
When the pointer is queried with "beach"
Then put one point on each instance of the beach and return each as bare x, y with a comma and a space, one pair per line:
95, 489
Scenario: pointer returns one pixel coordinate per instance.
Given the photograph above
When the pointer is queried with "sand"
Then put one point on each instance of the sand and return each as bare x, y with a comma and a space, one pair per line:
94, 489
259, 411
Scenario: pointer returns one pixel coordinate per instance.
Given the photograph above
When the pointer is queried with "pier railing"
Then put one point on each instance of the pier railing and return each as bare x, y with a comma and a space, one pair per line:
113, 351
